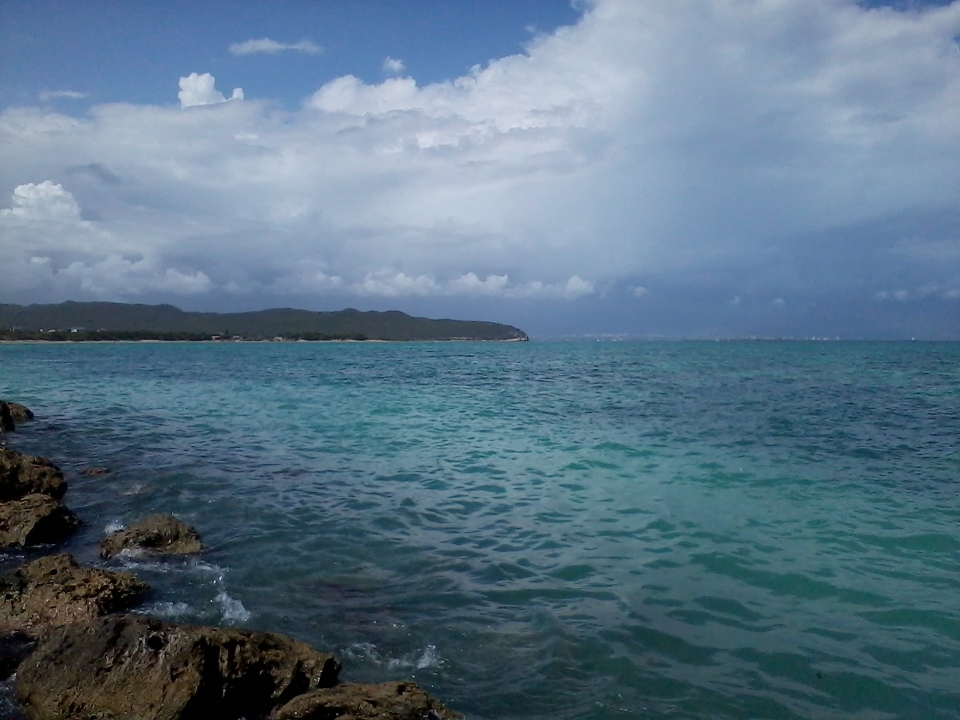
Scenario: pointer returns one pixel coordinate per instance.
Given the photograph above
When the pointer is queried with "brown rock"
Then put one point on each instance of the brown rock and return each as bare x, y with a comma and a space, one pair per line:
350, 701
19, 413
54, 591
6, 419
34, 520
24, 474
139, 668
161, 534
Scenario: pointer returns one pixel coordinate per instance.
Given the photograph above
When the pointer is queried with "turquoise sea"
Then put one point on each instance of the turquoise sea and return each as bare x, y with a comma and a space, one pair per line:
544, 530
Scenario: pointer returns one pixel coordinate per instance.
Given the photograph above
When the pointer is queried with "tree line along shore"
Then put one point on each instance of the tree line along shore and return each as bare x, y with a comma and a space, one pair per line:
74, 650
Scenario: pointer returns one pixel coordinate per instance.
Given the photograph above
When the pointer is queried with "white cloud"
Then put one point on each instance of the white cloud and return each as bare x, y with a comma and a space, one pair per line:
683, 142
198, 89
639, 291
392, 66
46, 95
42, 201
266, 45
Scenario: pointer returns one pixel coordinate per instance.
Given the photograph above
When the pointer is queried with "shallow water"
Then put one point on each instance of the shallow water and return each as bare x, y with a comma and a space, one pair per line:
544, 530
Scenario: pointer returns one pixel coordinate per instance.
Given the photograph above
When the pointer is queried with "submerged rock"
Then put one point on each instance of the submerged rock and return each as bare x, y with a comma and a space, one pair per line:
21, 475
95, 471
35, 519
350, 701
19, 413
161, 534
54, 591
140, 668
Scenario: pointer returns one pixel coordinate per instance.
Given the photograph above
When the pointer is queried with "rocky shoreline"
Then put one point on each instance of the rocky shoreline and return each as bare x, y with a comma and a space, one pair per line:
72, 653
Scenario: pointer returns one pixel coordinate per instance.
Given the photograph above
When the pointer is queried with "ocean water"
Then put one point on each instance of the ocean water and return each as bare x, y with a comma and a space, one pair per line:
543, 530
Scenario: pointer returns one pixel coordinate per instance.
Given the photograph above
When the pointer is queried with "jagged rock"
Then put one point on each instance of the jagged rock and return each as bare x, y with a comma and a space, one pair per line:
15, 647
95, 471
6, 419
19, 413
350, 701
138, 668
162, 534
24, 474
54, 591
35, 519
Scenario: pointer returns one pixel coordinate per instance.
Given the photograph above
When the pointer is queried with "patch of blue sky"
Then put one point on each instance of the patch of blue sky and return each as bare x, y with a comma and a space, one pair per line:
80, 54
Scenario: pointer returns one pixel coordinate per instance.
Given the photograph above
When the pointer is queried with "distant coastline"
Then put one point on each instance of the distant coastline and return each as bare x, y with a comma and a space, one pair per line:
121, 322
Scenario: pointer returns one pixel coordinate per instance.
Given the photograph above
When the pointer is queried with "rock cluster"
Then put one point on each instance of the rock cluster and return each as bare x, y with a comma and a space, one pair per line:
77, 660
149, 669
30, 511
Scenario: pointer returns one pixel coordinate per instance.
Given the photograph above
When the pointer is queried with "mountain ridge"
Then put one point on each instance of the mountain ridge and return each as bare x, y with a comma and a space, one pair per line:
105, 320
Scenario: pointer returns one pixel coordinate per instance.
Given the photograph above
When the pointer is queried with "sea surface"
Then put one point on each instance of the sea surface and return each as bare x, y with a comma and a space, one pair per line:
563, 531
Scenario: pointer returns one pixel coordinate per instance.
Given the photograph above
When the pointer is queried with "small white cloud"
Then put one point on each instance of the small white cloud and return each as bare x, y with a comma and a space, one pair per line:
46, 95
266, 45
901, 295
383, 284
577, 287
198, 89
735, 301
639, 291
42, 201
779, 302
393, 66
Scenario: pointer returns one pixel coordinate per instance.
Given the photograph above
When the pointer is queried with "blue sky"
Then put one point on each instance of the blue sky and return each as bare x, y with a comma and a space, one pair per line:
708, 168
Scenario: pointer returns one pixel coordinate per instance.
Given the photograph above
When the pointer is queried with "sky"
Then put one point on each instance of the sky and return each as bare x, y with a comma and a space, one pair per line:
650, 168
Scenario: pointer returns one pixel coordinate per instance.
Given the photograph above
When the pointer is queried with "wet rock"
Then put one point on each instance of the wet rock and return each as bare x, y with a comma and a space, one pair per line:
19, 413
161, 534
24, 474
95, 471
35, 520
54, 591
6, 419
15, 647
140, 668
350, 701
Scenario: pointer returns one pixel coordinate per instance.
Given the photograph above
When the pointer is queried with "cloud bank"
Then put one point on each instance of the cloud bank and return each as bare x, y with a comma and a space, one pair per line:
792, 150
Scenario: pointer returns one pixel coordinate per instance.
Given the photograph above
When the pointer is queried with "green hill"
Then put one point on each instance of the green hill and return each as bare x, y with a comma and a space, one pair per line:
113, 321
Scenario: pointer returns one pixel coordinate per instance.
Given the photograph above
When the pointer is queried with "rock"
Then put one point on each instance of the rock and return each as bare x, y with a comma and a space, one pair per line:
350, 701
54, 591
24, 474
15, 646
19, 413
95, 471
34, 520
6, 419
161, 534
140, 668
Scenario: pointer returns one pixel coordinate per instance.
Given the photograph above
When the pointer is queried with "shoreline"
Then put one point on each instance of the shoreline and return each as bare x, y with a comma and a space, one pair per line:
59, 620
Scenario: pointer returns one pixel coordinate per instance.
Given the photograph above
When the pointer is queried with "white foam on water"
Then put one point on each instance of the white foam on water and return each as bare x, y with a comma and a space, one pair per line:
168, 610
112, 527
363, 651
430, 658
415, 660
233, 609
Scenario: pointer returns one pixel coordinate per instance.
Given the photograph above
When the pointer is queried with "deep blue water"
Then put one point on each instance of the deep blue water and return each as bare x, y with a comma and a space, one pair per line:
544, 530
